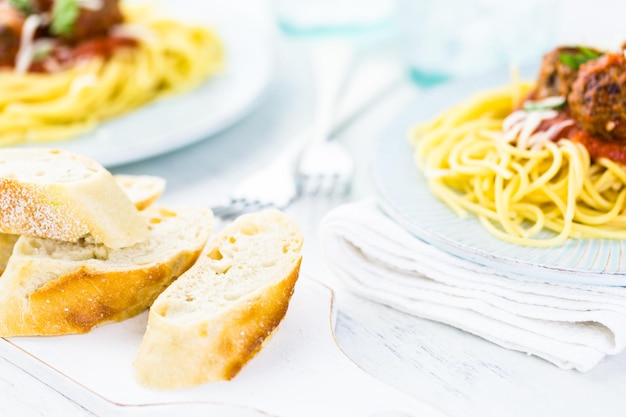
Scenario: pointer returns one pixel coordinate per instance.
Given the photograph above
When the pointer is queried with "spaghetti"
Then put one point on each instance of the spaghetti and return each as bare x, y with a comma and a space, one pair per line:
164, 57
481, 157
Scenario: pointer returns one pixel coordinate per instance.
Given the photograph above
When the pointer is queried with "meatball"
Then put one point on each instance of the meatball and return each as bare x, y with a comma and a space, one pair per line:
41, 6
598, 97
92, 23
559, 69
11, 23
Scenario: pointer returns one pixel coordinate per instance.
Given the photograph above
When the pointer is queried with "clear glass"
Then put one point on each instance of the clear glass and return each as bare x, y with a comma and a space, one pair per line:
443, 39
315, 17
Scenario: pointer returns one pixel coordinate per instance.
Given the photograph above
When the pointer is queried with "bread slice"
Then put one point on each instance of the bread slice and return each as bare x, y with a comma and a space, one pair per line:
59, 195
52, 287
142, 190
216, 316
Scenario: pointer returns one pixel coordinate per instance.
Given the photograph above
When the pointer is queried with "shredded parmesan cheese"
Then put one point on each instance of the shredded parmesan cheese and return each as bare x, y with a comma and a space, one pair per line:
520, 128
26, 52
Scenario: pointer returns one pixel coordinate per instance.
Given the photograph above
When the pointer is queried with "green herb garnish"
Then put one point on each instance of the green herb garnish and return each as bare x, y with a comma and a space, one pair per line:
64, 16
24, 6
575, 60
42, 51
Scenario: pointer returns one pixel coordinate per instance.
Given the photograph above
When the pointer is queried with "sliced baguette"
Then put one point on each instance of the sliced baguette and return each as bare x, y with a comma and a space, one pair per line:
51, 287
59, 195
142, 190
216, 316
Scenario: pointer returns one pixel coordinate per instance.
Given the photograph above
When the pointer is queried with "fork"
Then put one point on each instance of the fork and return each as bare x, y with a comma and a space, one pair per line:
324, 166
273, 186
297, 170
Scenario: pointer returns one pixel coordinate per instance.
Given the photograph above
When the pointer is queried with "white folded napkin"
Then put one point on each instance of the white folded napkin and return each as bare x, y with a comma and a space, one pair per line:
571, 325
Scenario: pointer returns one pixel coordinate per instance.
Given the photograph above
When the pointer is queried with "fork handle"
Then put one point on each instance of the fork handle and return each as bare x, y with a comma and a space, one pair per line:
332, 62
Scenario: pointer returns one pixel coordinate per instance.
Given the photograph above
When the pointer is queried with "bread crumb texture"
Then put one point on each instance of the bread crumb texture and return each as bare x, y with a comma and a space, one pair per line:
7, 242
211, 321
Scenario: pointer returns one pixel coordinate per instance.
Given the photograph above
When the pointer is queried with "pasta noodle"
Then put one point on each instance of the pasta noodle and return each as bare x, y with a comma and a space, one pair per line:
170, 57
534, 194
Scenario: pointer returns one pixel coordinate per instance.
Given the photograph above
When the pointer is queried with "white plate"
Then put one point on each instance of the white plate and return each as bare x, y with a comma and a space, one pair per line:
301, 371
405, 197
180, 120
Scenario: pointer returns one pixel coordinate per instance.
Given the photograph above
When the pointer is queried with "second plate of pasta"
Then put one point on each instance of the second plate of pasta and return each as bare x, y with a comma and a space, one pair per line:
149, 127
405, 196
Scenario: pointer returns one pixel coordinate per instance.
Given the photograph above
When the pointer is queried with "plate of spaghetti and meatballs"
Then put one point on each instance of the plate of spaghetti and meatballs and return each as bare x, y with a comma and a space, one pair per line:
124, 80
523, 170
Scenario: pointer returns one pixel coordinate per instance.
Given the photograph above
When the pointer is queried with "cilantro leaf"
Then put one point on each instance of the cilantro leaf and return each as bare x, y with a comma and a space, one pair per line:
64, 16
575, 60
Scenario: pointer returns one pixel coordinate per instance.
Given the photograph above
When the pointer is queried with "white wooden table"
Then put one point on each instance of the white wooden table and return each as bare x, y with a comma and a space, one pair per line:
455, 371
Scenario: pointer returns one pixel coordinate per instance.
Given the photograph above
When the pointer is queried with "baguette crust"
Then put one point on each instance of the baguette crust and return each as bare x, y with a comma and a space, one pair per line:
215, 318
39, 198
52, 287
80, 300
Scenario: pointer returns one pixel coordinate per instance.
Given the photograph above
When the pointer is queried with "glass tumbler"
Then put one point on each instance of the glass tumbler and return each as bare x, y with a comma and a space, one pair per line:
443, 39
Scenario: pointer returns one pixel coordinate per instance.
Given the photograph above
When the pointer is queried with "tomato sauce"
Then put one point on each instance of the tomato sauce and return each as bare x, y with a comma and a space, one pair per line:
598, 148
64, 56
101, 46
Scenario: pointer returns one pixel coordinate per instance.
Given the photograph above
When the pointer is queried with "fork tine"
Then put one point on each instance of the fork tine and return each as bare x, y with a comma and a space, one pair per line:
343, 186
338, 185
224, 211
325, 169
235, 208
240, 206
309, 185
327, 185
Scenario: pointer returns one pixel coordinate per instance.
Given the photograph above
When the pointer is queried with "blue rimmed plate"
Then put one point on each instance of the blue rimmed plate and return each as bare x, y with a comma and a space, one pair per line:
404, 196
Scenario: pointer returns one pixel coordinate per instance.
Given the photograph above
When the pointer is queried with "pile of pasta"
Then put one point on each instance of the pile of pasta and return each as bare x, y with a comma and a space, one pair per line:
534, 196
171, 57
